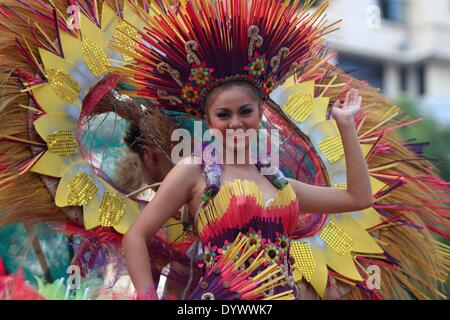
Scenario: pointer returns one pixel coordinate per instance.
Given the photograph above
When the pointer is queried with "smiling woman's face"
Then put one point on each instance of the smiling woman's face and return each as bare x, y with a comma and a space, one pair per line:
234, 107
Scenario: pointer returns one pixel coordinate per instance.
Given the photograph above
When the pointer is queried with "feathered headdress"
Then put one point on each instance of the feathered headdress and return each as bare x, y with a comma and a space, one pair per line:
185, 53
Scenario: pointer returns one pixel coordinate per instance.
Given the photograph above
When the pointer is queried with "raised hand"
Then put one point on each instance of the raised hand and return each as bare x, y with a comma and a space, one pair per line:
347, 111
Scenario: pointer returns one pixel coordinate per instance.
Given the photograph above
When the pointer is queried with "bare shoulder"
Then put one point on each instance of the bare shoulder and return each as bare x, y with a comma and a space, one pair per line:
189, 169
192, 160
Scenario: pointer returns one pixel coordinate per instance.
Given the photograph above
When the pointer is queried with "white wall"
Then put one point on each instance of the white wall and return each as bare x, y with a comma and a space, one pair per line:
426, 33
423, 39
431, 11
363, 33
437, 79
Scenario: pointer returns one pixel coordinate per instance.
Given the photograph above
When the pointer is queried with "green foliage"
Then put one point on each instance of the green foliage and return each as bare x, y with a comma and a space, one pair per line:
17, 251
59, 291
429, 130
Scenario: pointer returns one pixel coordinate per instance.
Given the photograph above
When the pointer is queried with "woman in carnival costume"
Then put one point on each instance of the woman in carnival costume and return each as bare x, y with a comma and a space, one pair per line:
205, 59
148, 140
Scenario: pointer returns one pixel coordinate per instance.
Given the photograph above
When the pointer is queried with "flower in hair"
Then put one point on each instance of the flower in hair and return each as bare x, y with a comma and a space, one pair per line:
269, 84
257, 65
190, 93
201, 75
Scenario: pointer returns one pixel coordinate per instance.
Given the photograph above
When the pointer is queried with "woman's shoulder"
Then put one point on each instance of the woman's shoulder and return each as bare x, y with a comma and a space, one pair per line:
190, 172
192, 160
189, 168
183, 177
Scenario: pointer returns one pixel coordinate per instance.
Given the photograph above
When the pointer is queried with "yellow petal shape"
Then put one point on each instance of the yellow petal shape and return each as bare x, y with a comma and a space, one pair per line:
281, 94
367, 218
366, 149
337, 239
303, 88
62, 143
53, 165
363, 242
49, 101
77, 187
124, 35
320, 107
332, 148
304, 260
93, 32
92, 213
300, 106
377, 185
132, 17
63, 84
51, 123
95, 57
315, 270
109, 18
52, 61
71, 48
320, 276
131, 213
341, 264
112, 209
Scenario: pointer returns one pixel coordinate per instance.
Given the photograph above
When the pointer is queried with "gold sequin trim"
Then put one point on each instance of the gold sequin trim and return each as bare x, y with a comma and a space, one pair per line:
304, 259
299, 107
125, 35
332, 148
337, 239
65, 87
112, 209
95, 57
62, 143
82, 189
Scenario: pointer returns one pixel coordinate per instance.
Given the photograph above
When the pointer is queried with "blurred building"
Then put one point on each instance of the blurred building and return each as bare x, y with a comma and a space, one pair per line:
399, 46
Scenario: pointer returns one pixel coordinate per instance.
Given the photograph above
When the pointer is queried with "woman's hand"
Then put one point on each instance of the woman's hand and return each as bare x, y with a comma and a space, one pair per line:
358, 195
345, 113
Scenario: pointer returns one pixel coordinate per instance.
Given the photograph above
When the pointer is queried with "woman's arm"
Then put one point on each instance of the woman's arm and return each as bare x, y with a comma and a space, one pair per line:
358, 195
174, 191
